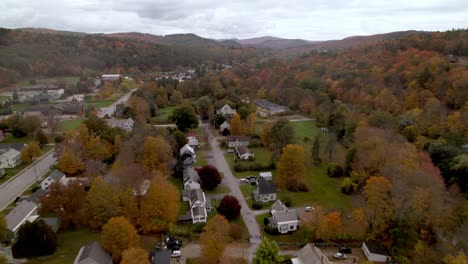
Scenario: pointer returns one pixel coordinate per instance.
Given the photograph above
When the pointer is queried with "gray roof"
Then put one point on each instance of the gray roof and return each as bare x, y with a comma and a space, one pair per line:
311, 254
162, 257
56, 175
238, 139
269, 105
18, 215
265, 187
53, 222
278, 206
243, 150
197, 195
198, 211
35, 197
191, 174
93, 253
8, 146
290, 215
376, 248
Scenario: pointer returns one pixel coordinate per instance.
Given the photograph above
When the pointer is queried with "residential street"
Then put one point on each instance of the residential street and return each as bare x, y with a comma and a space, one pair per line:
109, 111
15, 187
233, 182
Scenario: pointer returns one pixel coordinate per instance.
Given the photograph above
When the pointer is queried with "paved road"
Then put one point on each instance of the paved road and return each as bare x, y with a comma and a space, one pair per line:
109, 111
233, 182
15, 187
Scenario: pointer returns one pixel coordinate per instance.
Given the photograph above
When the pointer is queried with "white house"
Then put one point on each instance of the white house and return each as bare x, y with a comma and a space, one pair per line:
226, 111
93, 253
375, 252
124, 124
266, 175
282, 218
310, 254
55, 176
191, 179
192, 140
224, 125
10, 159
265, 192
237, 141
187, 154
244, 153
24, 211
199, 206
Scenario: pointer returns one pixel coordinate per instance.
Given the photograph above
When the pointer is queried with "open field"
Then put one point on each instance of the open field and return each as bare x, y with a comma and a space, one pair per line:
164, 113
71, 124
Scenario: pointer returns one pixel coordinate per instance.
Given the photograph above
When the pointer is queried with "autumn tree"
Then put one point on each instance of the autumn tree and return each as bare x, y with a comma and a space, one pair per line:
265, 134
204, 107
460, 258
118, 234
159, 207
229, 207
30, 151
379, 205
316, 151
330, 226
213, 239
140, 108
236, 125
292, 167
185, 117
209, 177
107, 90
281, 134
250, 124
41, 138
98, 207
267, 253
156, 154
3, 228
66, 202
69, 162
135, 256
34, 240
125, 204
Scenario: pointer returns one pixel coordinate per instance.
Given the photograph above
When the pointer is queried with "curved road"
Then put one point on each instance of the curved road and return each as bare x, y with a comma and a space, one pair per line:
247, 214
22, 181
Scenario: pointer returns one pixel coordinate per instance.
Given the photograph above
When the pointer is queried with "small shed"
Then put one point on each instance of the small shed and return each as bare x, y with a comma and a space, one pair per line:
375, 252
266, 175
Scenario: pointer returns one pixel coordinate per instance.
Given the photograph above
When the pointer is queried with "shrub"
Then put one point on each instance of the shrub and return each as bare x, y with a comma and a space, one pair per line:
34, 240
348, 186
235, 231
302, 187
257, 205
287, 201
270, 230
59, 139
255, 144
334, 170
266, 220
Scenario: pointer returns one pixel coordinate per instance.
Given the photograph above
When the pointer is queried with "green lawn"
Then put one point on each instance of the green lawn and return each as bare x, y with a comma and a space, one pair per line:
262, 156
19, 107
71, 124
219, 190
99, 103
11, 139
69, 243
201, 160
164, 113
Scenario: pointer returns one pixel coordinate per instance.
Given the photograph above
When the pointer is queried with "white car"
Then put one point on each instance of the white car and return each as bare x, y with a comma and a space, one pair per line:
308, 209
243, 180
230, 151
176, 253
339, 255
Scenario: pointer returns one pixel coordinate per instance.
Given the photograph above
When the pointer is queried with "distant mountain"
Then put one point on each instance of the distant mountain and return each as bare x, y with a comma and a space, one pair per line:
274, 42
348, 42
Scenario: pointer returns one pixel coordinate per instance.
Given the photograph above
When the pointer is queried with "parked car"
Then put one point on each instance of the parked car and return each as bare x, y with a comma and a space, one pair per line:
176, 253
243, 180
308, 209
339, 255
253, 182
345, 250
251, 177
230, 151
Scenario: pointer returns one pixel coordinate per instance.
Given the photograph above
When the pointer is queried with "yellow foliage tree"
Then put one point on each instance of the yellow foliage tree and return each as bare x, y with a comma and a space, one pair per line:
330, 226
292, 167
156, 154
140, 107
379, 209
214, 238
236, 125
265, 134
28, 153
461, 258
125, 204
98, 207
118, 235
135, 256
107, 90
159, 207
69, 162
250, 125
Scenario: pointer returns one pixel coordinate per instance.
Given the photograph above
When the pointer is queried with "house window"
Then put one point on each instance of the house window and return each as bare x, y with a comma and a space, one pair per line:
291, 227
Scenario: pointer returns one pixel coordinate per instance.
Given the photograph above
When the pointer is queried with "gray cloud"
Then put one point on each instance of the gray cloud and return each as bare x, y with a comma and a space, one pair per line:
308, 19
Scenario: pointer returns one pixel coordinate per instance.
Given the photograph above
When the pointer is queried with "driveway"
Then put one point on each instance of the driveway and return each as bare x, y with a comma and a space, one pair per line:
247, 215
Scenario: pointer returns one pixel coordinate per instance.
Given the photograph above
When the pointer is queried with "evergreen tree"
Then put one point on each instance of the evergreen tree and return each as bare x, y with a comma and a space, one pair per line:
316, 151
267, 253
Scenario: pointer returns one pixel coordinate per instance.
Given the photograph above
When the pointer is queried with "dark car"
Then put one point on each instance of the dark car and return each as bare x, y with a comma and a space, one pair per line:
345, 250
251, 177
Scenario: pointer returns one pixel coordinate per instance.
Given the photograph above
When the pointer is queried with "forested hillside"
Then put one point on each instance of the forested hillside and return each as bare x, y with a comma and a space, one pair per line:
32, 54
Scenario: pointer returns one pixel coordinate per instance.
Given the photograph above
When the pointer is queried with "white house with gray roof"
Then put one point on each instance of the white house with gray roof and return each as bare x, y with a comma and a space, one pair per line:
310, 254
224, 125
124, 124
10, 159
265, 192
226, 111
55, 176
24, 211
93, 253
191, 179
283, 219
199, 205
187, 154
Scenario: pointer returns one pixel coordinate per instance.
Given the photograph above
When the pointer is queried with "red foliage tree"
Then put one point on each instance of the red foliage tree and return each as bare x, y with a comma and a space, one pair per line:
209, 176
229, 207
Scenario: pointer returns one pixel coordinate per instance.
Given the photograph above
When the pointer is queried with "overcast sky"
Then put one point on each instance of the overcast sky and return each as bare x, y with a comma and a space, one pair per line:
306, 19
